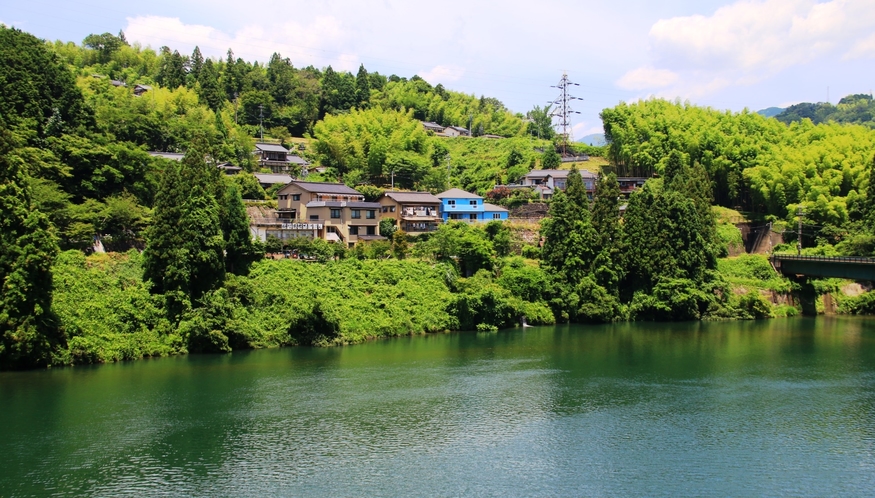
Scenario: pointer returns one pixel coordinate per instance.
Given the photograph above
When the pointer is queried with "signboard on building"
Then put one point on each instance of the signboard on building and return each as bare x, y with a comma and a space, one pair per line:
302, 226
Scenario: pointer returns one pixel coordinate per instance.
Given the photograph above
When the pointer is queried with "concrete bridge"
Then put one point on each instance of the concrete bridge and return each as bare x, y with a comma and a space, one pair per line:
850, 267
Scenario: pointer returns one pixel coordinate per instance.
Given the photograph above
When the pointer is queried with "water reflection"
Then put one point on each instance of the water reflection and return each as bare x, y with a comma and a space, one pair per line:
749, 408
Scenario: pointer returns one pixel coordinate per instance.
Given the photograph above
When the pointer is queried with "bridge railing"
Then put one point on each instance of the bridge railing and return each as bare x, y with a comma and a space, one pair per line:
824, 259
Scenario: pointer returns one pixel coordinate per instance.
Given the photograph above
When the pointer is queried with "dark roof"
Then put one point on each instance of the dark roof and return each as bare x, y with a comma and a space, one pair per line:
421, 197
271, 147
327, 188
296, 159
455, 193
117, 83
459, 128
429, 124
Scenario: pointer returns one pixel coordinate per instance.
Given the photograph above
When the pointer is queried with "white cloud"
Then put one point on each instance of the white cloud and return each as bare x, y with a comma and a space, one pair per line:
581, 130
864, 48
647, 77
442, 74
321, 42
749, 41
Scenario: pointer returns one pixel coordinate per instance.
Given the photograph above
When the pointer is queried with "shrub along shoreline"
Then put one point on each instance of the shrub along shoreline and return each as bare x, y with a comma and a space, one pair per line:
107, 313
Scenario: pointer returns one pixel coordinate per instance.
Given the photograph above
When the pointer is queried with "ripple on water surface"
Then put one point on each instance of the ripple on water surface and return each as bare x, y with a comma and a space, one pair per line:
724, 410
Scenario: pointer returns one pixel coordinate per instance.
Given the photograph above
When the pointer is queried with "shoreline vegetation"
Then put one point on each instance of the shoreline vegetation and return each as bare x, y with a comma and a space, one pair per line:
183, 274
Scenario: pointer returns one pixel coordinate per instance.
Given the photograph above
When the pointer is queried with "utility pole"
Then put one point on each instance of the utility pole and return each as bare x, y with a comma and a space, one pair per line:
800, 214
563, 111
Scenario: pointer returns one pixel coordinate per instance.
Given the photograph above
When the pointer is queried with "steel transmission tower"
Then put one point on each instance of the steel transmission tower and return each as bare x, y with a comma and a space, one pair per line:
562, 111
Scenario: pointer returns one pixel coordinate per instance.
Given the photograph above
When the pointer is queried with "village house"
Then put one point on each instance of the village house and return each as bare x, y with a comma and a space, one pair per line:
456, 131
278, 159
413, 212
458, 205
329, 211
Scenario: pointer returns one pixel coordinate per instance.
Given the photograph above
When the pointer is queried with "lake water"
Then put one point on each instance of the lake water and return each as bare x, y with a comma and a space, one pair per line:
778, 407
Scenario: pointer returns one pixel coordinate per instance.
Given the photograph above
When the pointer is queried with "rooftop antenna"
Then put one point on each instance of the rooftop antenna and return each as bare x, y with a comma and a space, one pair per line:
563, 111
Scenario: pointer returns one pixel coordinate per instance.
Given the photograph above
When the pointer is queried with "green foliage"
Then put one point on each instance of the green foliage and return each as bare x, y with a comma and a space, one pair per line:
550, 159
754, 162
29, 334
37, 91
249, 187
185, 248
107, 312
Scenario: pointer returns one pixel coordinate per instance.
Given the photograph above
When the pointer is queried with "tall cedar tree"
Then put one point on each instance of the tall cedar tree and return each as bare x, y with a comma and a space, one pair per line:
568, 233
184, 256
669, 229
608, 265
29, 332
362, 88
240, 250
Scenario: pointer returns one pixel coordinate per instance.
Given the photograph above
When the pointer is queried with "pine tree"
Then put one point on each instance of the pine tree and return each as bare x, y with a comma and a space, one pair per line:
29, 332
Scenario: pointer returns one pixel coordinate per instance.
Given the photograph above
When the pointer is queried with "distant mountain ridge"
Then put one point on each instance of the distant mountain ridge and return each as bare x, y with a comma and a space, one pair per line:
770, 112
596, 139
852, 109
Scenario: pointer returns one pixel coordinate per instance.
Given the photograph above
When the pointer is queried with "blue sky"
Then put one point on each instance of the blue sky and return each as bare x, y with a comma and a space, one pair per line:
723, 54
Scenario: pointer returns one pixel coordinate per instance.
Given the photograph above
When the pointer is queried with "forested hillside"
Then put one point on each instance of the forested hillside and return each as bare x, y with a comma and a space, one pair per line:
755, 163
853, 109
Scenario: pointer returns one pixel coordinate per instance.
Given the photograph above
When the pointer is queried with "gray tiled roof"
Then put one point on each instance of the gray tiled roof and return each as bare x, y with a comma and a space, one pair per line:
492, 207
327, 188
296, 159
271, 147
418, 197
455, 193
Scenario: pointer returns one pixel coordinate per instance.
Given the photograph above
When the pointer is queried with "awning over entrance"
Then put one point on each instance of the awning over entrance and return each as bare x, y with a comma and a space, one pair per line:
332, 237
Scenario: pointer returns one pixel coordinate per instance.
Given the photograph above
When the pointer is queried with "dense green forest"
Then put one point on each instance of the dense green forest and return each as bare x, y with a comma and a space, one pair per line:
184, 275
853, 109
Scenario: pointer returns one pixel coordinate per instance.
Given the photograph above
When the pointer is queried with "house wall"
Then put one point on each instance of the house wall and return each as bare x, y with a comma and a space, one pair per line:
462, 207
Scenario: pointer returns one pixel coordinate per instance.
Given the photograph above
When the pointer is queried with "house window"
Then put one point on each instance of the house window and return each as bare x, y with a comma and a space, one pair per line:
473, 203
496, 216
472, 216
385, 209
335, 213
335, 198
296, 197
353, 230
283, 197
314, 217
356, 213
391, 209
451, 203
371, 214
455, 216
372, 230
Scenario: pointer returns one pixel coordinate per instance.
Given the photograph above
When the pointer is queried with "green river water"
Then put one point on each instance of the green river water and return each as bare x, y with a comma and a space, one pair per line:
782, 407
